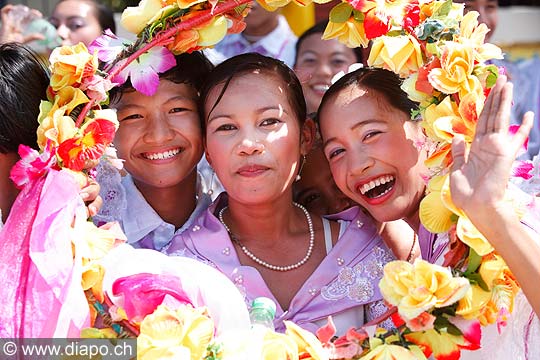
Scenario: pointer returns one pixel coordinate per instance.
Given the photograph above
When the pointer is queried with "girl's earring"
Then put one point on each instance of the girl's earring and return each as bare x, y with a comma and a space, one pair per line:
298, 177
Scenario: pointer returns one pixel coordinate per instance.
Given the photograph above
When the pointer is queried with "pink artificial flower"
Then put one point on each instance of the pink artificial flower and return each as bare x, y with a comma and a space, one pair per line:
502, 318
144, 71
523, 169
108, 46
422, 322
144, 292
32, 165
97, 87
326, 332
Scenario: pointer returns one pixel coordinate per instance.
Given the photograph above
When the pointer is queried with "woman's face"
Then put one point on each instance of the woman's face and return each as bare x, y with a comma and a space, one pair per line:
317, 62
253, 138
159, 136
76, 22
373, 153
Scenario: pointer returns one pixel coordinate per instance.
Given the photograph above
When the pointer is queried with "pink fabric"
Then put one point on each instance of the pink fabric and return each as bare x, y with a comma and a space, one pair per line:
41, 289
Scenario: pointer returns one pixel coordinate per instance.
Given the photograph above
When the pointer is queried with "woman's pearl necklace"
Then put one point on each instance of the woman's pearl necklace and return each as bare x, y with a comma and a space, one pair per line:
264, 263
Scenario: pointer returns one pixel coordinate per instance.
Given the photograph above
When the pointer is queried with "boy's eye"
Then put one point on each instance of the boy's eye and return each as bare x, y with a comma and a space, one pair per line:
178, 110
131, 117
308, 199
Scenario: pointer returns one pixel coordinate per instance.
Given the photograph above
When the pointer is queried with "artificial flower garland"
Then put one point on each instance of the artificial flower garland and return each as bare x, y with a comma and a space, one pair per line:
444, 61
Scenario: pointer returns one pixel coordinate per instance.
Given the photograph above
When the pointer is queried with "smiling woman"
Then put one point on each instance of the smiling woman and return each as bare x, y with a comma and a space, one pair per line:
256, 134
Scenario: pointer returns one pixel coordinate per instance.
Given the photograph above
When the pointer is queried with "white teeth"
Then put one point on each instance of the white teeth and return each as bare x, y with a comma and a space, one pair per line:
373, 183
162, 155
321, 87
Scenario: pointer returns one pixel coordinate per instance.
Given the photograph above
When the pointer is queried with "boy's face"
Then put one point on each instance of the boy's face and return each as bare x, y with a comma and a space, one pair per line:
159, 136
488, 10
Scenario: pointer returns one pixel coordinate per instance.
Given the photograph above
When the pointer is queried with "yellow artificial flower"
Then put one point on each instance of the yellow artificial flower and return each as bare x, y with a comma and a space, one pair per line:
309, 347
212, 33
391, 352
474, 301
135, 18
278, 346
428, 8
55, 126
272, 5
70, 64
469, 234
184, 4
447, 110
455, 73
351, 33
435, 215
400, 54
474, 34
181, 334
409, 86
415, 288
93, 242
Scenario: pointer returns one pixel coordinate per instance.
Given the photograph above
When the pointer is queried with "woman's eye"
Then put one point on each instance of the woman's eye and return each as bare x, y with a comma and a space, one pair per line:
226, 127
338, 62
268, 122
75, 25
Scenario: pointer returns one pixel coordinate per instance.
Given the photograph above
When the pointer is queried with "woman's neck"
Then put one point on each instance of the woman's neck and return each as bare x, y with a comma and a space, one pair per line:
173, 204
414, 220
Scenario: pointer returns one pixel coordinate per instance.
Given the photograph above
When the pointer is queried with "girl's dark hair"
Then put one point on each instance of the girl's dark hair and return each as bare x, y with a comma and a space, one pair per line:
103, 14
191, 69
247, 63
386, 83
319, 29
23, 84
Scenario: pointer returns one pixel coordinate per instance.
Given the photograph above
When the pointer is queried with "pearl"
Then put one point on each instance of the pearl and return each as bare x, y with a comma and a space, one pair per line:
252, 256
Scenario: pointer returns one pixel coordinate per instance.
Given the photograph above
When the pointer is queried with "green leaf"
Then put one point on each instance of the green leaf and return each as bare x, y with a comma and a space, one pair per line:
358, 15
477, 279
474, 262
492, 76
340, 13
444, 10
443, 324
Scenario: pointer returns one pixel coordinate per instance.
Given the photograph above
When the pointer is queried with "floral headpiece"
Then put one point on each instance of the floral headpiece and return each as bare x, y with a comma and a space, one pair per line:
441, 55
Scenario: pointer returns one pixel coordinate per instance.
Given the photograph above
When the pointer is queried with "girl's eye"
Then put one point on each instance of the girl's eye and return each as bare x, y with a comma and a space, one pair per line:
75, 25
371, 134
310, 198
338, 62
131, 117
269, 122
226, 127
335, 153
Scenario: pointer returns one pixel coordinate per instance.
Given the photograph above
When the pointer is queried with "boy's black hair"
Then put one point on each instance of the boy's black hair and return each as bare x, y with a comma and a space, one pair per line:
23, 84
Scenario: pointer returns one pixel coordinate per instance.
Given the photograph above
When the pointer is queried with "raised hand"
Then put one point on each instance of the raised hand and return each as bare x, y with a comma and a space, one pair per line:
479, 175
10, 29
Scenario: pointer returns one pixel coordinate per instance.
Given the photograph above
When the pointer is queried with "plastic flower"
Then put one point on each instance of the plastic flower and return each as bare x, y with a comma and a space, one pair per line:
420, 287
108, 46
445, 345
400, 54
135, 18
379, 14
455, 74
32, 165
143, 72
70, 64
351, 33
309, 347
212, 33
93, 138
56, 127
474, 34
278, 346
390, 352
184, 333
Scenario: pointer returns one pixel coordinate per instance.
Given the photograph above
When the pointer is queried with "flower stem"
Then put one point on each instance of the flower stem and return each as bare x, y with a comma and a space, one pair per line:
165, 37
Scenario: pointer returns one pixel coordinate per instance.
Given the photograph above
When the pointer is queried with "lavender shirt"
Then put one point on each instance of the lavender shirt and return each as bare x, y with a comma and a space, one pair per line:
344, 285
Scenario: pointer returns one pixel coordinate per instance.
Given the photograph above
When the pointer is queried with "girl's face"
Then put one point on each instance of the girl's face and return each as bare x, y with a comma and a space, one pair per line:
76, 22
253, 138
159, 136
373, 153
317, 62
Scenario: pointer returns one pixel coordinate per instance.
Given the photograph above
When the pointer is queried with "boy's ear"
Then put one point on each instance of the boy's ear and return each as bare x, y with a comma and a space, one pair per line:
309, 130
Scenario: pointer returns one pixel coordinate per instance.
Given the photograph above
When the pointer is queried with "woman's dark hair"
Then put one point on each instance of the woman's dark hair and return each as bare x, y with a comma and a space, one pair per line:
247, 63
191, 69
103, 14
386, 83
23, 84
319, 29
